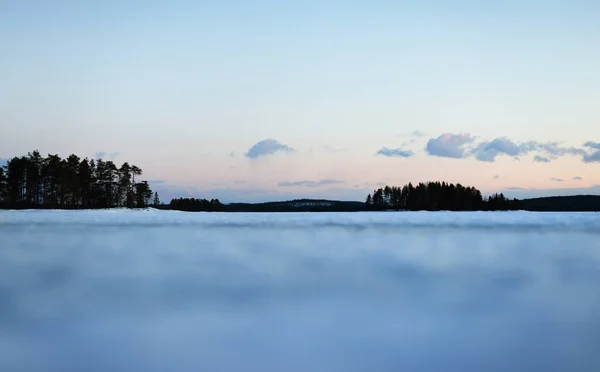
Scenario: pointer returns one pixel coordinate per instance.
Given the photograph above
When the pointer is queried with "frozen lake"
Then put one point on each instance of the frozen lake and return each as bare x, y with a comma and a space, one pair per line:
172, 291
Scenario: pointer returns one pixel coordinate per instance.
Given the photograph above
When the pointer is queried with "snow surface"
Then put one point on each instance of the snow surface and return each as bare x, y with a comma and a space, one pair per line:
122, 290
581, 220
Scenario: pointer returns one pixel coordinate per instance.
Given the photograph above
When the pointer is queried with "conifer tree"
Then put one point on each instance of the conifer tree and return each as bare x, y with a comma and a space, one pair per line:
35, 182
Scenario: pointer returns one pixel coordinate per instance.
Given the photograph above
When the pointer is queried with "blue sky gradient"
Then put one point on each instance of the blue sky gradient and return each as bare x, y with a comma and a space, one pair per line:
187, 89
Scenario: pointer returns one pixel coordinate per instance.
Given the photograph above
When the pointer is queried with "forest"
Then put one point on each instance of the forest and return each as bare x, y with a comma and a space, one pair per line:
436, 196
195, 205
34, 182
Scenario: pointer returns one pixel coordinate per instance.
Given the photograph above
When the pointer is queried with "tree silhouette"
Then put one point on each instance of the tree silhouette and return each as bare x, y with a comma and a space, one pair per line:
143, 194
35, 182
85, 178
135, 171
196, 205
2, 185
435, 196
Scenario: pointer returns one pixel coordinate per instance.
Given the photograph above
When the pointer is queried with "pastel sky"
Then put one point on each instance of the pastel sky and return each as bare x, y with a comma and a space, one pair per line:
268, 100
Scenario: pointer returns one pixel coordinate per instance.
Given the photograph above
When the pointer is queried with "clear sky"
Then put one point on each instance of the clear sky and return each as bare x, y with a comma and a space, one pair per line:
267, 100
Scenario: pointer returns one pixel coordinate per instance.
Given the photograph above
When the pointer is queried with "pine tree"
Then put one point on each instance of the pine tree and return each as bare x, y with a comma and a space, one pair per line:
51, 179
85, 182
435, 196
35, 182
156, 201
143, 194
15, 182
72, 186
2, 186
125, 186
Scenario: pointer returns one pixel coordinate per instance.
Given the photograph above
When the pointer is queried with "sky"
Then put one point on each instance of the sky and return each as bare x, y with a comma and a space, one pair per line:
271, 100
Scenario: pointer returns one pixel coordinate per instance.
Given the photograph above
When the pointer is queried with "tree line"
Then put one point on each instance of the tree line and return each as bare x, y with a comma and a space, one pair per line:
34, 182
435, 196
196, 205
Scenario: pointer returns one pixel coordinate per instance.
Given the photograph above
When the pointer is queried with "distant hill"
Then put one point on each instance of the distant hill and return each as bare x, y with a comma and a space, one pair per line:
577, 203
299, 205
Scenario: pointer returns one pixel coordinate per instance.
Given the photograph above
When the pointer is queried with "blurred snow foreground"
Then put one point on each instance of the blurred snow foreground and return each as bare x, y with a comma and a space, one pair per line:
150, 290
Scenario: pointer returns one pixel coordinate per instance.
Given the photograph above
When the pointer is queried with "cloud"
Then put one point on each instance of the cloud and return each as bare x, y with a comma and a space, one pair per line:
592, 145
453, 146
540, 159
415, 133
487, 151
448, 145
497, 177
577, 178
554, 149
557, 179
106, 155
594, 156
384, 151
516, 188
267, 147
309, 183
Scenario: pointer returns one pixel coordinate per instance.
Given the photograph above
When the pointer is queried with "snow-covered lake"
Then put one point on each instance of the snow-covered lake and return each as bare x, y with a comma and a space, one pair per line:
172, 291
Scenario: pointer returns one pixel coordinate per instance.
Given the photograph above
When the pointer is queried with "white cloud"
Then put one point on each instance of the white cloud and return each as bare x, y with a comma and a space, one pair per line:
594, 156
592, 145
488, 151
267, 147
554, 149
448, 145
395, 152
540, 159
452, 146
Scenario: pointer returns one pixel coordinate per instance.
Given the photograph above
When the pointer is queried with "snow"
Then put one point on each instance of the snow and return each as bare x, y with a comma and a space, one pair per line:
149, 290
150, 216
